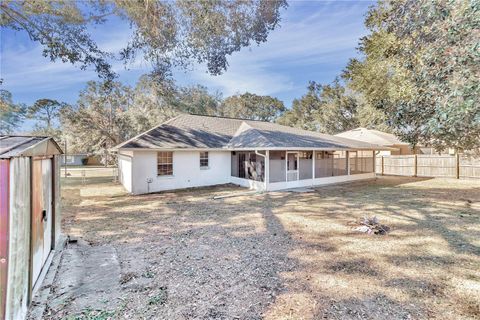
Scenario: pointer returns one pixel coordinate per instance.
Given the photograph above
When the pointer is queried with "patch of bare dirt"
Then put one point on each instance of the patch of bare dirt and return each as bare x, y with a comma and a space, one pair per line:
183, 255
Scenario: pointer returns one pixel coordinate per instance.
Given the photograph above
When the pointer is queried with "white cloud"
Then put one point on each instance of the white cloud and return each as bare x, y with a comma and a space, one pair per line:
312, 37
320, 38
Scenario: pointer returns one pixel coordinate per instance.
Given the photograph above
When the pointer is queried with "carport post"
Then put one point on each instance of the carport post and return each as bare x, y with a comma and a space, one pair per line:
267, 169
313, 167
347, 154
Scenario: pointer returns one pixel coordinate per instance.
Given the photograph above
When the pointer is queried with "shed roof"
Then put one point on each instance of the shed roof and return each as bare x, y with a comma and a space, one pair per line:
189, 131
27, 146
372, 136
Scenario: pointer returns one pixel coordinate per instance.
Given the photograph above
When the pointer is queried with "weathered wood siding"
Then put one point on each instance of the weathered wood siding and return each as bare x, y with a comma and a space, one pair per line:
57, 202
4, 232
19, 247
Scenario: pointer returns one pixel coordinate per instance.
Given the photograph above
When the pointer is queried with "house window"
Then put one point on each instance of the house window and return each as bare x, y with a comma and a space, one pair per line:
70, 159
204, 160
305, 154
165, 163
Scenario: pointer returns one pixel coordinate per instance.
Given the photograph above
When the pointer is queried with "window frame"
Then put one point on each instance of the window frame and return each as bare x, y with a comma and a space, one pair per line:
165, 159
204, 156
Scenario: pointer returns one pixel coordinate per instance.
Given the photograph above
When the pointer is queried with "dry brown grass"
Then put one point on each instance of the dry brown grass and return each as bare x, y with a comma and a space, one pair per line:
290, 255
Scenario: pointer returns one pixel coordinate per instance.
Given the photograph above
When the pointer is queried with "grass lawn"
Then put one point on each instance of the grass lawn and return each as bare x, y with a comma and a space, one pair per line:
283, 255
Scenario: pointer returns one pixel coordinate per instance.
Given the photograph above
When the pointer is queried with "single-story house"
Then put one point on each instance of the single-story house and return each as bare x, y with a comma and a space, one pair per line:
80, 159
29, 218
194, 150
384, 139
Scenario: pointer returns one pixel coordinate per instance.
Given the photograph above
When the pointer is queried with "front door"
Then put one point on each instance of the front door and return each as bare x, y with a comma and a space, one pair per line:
41, 214
292, 166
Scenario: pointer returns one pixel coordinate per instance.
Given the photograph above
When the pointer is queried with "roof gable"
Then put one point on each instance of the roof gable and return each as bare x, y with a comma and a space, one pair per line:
27, 146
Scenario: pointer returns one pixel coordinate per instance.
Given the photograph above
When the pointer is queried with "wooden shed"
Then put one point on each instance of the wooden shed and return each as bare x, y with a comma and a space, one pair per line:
29, 218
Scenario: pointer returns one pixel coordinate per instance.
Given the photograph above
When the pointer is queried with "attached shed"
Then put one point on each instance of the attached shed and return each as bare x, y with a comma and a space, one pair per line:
29, 218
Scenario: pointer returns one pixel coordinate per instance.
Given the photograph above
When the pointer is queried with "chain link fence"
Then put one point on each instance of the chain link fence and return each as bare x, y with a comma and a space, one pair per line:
88, 175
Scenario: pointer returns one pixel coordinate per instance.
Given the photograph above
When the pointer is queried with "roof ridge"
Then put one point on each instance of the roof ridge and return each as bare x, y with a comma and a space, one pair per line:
224, 117
239, 131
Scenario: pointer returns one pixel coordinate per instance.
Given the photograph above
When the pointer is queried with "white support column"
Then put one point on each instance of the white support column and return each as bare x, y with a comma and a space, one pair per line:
267, 170
286, 165
348, 162
313, 167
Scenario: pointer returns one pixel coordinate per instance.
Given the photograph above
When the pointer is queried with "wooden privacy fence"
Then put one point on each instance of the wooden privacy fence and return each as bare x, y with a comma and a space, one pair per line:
456, 166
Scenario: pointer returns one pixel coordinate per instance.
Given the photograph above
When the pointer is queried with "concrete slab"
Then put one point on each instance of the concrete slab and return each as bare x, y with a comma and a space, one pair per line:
88, 278
40, 297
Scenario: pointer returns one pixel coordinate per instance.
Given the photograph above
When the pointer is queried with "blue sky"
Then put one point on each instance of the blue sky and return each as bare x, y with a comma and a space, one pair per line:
314, 42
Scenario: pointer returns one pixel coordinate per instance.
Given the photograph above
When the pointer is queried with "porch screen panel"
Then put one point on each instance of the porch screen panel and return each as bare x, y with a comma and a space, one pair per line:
248, 165
361, 162
366, 161
277, 166
340, 163
305, 167
234, 162
323, 164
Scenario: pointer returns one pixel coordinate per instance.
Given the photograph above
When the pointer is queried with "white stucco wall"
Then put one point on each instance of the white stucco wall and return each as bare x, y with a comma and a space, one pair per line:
186, 171
125, 160
251, 184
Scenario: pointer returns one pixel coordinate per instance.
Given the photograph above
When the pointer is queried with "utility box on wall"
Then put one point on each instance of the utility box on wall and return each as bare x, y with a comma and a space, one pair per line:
29, 218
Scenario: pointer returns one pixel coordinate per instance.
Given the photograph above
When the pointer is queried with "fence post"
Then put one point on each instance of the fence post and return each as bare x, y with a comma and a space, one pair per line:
457, 166
382, 167
415, 166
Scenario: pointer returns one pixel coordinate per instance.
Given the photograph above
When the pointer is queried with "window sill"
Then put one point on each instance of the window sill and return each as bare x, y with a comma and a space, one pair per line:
204, 168
166, 177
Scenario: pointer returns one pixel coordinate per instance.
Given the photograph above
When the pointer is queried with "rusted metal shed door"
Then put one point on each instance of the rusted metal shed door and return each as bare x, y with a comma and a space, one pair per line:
4, 236
41, 214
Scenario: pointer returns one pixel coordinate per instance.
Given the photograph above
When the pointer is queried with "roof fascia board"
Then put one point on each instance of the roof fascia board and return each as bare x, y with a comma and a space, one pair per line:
170, 149
260, 148
310, 149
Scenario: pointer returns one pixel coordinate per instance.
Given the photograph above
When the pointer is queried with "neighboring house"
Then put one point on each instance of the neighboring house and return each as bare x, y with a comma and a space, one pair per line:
29, 218
80, 159
193, 151
380, 138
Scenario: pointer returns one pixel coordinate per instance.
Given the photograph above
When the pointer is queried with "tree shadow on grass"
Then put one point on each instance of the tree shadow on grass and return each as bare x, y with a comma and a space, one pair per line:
240, 258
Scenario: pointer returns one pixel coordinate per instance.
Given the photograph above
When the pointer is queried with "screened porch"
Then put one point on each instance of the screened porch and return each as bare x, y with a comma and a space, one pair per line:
279, 169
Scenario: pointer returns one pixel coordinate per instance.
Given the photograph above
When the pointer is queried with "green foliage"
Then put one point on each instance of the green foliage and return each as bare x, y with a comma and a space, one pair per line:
91, 314
109, 113
153, 100
303, 111
160, 298
252, 106
46, 111
332, 108
197, 99
421, 67
100, 120
165, 33
338, 109
11, 114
